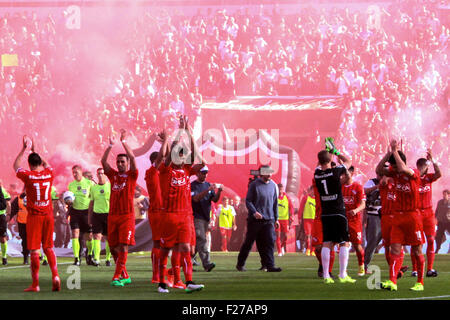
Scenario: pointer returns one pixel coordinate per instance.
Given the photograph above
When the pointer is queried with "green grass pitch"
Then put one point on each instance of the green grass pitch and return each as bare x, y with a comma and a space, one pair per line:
297, 281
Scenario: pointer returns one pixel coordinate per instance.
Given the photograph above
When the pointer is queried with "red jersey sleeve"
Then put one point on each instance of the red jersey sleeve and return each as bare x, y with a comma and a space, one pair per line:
430, 177
22, 174
361, 196
133, 174
110, 173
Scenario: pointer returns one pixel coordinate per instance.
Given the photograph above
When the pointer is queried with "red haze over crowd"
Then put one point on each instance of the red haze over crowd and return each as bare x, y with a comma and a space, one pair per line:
138, 67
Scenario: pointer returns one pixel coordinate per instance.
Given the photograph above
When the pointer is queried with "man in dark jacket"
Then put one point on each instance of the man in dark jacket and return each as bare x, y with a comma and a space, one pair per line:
262, 218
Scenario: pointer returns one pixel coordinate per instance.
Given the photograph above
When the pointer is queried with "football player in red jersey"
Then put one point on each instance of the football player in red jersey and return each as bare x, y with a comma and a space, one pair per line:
407, 223
355, 203
121, 224
176, 221
38, 185
152, 179
426, 210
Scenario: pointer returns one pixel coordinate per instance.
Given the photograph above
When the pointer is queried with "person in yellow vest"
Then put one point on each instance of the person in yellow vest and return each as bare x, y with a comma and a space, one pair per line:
4, 212
285, 218
79, 214
98, 212
227, 222
309, 214
18, 207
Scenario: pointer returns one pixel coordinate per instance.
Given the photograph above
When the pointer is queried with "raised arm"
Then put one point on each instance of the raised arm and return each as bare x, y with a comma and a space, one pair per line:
331, 148
105, 164
181, 127
437, 171
19, 157
347, 162
195, 152
381, 170
401, 166
33, 146
163, 151
123, 135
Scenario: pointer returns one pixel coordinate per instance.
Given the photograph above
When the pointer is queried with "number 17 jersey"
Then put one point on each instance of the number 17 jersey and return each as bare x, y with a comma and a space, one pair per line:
38, 186
328, 183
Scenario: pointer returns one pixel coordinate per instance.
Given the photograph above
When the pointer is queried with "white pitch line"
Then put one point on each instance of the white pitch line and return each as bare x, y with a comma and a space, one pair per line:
27, 266
421, 298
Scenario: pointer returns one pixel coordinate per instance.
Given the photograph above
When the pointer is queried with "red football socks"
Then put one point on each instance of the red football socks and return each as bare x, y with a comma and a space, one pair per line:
360, 255
155, 264
414, 262
120, 264
51, 257
420, 259
332, 254
186, 262
163, 254
278, 242
35, 264
175, 261
430, 253
395, 264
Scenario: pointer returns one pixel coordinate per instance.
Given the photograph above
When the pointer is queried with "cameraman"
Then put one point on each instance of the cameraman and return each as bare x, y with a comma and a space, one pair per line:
262, 205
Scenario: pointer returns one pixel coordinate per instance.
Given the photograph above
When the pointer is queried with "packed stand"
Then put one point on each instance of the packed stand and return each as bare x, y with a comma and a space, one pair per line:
173, 62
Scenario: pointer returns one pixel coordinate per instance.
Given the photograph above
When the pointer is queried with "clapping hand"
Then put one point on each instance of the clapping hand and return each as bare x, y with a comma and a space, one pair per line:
123, 134
112, 139
429, 155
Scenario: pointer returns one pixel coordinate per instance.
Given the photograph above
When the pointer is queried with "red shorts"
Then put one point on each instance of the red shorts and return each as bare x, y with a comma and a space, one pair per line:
39, 230
308, 226
154, 218
175, 228
386, 226
225, 232
284, 226
355, 229
317, 233
407, 228
429, 222
121, 229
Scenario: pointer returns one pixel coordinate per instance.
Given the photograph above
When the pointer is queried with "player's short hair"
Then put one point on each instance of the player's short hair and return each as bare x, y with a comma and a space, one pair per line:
153, 156
421, 162
98, 169
280, 185
87, 173
351, 169
124, 155
34, 159
324, 157
392, 158
77, 167
446, 191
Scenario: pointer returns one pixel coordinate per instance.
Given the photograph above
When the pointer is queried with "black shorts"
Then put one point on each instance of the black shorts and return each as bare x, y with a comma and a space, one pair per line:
335, 228
100, 223
79, 220
3, 226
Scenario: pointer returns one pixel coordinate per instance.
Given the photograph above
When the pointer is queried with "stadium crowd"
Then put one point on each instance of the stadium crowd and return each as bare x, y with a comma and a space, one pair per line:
384, 65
